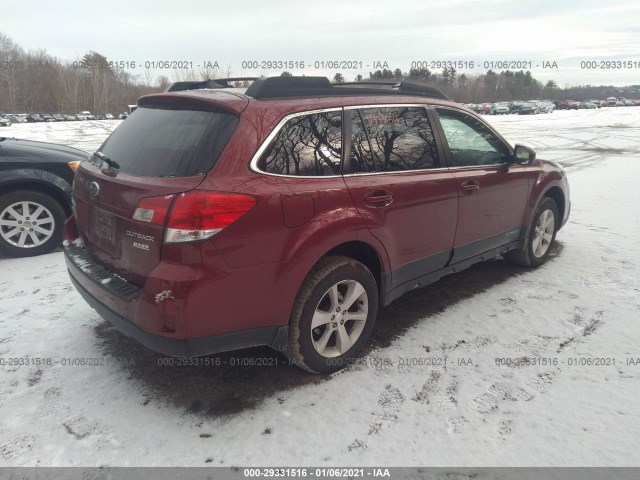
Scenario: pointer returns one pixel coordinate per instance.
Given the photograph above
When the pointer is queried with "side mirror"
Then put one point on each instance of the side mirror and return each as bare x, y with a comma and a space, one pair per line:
524, 155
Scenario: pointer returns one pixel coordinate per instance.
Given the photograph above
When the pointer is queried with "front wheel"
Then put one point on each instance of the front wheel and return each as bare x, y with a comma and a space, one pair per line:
541, 236
31, 223
333, 315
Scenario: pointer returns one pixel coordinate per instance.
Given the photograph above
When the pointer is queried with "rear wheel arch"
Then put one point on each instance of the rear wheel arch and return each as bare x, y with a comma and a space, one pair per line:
365, 254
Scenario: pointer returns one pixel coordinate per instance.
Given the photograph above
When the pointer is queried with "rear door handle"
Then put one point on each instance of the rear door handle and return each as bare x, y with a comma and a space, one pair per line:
378, 198
470, 186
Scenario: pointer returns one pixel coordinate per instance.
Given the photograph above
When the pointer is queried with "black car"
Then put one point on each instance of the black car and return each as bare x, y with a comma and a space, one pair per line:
34, 117
35, 194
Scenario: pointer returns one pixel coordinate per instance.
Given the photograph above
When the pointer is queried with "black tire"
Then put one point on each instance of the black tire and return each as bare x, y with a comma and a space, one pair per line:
531, 256
52, 216
345, 274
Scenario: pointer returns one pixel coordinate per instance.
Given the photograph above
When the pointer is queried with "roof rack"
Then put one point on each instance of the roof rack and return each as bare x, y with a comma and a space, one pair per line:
287, 87
209, 83
368, 82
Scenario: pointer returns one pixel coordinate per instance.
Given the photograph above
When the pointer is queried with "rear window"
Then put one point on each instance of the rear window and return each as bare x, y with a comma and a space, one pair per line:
155, 142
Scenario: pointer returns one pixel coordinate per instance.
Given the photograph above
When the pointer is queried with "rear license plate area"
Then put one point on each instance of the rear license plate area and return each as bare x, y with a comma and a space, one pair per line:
104, 227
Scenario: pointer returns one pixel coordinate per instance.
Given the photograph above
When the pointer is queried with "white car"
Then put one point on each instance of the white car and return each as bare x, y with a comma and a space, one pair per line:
546, 107
499, 109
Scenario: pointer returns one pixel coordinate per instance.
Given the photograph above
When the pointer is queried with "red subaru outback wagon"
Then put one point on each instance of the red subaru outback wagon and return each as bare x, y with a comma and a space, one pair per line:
213, 220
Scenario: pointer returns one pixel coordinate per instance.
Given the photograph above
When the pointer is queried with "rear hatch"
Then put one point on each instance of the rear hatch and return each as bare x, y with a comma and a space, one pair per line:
164, 148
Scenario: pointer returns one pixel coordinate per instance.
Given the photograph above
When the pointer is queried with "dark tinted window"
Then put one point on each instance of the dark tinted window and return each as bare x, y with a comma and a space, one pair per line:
470, 141
391, 139
169, 143
309, 145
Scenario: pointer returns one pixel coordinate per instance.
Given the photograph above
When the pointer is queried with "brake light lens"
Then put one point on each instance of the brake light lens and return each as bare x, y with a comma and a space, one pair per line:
198, 215
153, 209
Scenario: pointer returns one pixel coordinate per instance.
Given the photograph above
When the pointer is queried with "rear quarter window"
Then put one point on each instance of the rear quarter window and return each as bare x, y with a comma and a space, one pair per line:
156, 142
307, 145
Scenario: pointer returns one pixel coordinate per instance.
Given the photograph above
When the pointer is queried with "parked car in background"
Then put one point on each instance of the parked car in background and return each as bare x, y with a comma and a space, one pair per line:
58, 117
108, 116
484, 108
597, 103
546, 107
70, 118
500, 108
203, 225
17, 118
588, 105
515, 106
5, 122
529, 108
47, 117
35, 194
34, 117
569, 105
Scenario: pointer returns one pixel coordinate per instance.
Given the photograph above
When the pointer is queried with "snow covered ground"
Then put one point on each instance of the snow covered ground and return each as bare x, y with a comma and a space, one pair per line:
494, 366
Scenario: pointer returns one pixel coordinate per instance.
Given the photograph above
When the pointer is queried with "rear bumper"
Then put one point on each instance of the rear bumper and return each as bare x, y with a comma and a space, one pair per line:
275, 337
205, 317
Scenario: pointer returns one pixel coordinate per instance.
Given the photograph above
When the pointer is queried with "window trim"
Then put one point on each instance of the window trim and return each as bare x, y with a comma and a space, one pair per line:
253, 165
434, 120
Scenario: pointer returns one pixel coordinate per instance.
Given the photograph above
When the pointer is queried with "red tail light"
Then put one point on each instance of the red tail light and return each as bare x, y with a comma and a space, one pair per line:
194, 215
197, 215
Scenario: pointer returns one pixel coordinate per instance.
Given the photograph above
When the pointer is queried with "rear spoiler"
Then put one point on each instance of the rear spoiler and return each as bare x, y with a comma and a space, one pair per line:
215, 83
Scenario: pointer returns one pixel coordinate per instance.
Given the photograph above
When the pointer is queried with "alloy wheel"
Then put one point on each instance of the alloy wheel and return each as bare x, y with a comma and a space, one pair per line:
339, 318
26, 224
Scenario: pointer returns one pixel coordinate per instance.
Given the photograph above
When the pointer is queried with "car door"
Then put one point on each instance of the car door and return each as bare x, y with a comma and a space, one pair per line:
493, 191
408, 199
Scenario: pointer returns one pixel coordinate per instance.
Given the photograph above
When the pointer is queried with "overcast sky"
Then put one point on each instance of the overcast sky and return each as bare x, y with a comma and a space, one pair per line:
396, 31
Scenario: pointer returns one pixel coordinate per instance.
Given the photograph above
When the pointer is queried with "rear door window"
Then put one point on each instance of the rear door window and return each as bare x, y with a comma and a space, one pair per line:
155, 142
391, 139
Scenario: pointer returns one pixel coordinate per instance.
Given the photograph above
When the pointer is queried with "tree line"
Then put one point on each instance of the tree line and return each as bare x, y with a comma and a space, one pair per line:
37, 82
493, 86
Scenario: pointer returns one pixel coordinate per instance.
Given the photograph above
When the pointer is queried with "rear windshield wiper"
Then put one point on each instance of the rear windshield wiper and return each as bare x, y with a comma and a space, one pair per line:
107, 160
